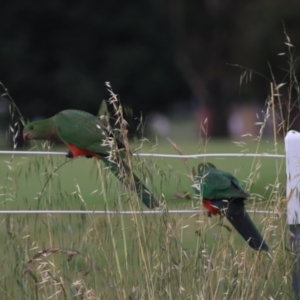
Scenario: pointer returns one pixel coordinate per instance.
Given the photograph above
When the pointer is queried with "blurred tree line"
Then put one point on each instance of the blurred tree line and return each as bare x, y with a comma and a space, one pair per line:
56, 55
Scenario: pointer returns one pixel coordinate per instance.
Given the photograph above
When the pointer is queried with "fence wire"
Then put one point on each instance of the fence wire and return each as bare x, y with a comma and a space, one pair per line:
128, 212
157, 154
122, 212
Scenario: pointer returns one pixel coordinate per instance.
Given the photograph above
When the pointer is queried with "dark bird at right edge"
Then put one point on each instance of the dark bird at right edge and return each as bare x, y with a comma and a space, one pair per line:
223, 195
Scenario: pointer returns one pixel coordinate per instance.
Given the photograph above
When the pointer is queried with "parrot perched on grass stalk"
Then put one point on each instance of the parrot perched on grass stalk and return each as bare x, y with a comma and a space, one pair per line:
87, 135
223, 195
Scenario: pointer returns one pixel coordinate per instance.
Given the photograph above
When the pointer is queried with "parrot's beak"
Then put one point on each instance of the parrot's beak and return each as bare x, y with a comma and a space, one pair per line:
26, 136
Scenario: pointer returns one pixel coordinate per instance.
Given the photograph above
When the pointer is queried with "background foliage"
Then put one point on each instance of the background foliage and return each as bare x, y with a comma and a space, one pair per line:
58, 54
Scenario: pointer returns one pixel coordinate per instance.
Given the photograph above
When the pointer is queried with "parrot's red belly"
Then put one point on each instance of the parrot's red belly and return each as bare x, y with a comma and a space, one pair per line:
76, 151
212, 209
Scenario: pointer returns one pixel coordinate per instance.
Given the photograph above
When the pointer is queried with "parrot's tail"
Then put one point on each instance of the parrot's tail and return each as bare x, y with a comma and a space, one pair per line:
240, 220
124, 176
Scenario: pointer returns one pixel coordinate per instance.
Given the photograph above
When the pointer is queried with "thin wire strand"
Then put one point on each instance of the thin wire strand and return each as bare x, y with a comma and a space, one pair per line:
157, 155
139, 155
32, 153
123, 212
211, 155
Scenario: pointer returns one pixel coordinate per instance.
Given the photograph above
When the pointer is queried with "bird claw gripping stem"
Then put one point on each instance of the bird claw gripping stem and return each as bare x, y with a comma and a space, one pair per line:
69, 154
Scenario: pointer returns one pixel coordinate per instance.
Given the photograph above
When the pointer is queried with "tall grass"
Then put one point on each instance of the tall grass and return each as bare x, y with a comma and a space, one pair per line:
159, 256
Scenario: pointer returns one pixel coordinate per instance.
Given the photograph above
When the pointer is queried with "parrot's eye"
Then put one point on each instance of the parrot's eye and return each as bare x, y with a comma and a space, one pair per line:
31, 127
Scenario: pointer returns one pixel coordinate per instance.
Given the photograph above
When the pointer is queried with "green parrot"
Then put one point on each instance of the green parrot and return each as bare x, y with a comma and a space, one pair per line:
223, 195
87, 135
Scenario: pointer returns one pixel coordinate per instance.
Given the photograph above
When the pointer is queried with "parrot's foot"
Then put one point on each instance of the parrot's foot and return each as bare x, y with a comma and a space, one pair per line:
89, 156
198, 232
221, 223
154, 203
69, 154
208, 213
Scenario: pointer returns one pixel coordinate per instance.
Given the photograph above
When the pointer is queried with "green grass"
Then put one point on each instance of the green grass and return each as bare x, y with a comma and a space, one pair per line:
139, 256
78, 179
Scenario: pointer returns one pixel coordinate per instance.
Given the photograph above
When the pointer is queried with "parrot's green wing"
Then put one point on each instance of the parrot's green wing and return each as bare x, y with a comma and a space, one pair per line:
88, 132
217, 184
82, 130
226, 194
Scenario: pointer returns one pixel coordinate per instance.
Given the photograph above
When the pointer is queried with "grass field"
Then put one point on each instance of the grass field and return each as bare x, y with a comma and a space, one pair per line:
137, 256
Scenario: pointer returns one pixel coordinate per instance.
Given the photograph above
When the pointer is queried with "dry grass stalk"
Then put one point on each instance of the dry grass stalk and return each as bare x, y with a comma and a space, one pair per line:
45, 253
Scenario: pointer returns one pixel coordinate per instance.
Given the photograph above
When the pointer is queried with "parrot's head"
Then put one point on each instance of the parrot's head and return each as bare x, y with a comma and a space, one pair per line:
204, 166
38, 130
199, 179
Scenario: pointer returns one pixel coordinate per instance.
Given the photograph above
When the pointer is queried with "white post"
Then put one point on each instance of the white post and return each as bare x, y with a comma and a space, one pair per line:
292, 150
